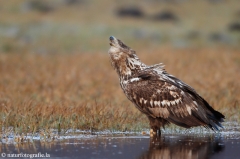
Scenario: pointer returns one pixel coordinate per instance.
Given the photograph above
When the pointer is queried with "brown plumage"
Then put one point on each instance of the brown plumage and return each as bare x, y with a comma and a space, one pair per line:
159, 95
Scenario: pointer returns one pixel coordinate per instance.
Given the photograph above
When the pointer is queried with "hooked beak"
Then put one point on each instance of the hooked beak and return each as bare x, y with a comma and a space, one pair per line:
111, 38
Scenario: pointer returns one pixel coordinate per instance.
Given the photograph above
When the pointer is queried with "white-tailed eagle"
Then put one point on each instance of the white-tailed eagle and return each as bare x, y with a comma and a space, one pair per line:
159, 95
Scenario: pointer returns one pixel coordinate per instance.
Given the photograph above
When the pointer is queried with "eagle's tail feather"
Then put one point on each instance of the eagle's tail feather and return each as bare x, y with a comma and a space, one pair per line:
215, 120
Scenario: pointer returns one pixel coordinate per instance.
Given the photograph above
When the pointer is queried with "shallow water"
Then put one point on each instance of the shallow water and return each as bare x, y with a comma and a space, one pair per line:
193, 146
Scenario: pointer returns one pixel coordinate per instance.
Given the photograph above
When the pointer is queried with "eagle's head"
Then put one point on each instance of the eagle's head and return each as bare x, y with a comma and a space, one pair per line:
124, 59
118, 49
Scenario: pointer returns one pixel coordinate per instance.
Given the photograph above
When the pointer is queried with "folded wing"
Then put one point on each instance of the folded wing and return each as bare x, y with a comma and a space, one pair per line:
169, 98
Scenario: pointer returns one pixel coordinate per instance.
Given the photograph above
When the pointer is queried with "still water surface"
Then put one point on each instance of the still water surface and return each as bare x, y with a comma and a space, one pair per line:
208, 146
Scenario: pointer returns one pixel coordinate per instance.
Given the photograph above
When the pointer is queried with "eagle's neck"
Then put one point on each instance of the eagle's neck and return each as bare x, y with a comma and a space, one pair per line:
127, 67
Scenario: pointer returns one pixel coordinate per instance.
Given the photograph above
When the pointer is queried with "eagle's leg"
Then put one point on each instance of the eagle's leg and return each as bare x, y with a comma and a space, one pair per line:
154, 132
156, 124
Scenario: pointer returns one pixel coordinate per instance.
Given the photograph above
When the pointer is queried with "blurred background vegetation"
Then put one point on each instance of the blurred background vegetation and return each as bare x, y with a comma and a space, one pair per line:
65, 26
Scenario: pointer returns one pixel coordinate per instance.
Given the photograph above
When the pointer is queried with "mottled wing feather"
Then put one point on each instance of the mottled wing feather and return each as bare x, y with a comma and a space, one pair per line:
194, 95
160, 98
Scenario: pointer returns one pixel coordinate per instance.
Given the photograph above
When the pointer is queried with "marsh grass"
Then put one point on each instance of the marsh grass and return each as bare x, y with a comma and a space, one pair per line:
39, 93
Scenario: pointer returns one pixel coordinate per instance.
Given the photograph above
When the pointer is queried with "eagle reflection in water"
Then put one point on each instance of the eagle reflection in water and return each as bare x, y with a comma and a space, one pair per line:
182, 148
